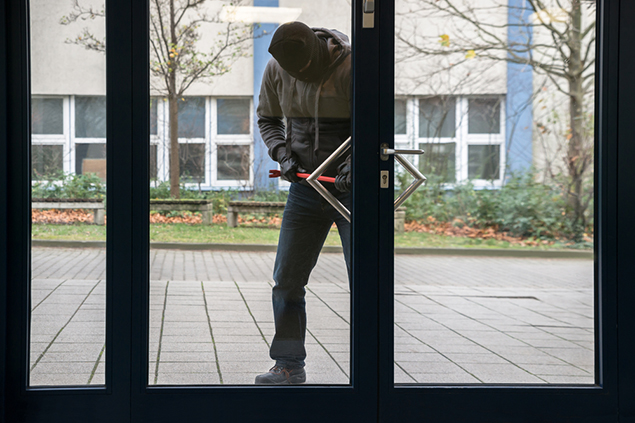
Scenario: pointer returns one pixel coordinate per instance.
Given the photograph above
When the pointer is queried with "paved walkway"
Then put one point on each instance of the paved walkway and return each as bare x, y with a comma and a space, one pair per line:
457, 319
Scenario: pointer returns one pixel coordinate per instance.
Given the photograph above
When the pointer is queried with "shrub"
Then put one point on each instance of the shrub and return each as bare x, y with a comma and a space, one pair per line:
522, 207
88, 186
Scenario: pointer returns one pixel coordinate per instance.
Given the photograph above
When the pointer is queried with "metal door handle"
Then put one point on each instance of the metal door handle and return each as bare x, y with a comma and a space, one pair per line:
343, 148
419, 179
387, 151
313, 179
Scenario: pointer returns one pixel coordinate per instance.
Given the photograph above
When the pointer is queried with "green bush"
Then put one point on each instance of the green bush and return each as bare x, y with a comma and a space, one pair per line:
69, 185
522, 207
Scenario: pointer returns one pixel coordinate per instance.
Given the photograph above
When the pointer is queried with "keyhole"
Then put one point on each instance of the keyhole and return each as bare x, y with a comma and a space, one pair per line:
385, 178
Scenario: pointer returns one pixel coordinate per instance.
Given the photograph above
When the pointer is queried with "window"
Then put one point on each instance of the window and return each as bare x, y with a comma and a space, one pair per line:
192, 163
483, 162
91, 158
154, 124
462, 136
484, 116
47, 161
192, 117
233, 162
153, 162
232, 116
439, 160
400, 117
47, 116
90, 117
437, 117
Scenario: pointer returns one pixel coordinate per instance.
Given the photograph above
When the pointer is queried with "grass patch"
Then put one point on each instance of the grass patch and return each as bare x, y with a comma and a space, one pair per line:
221, 234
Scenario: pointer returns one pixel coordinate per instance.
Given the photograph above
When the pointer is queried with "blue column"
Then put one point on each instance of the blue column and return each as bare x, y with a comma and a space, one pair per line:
262, 39
519, 102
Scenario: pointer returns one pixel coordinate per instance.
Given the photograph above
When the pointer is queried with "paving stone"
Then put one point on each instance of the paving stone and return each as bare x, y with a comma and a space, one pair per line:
184, 378
474, 317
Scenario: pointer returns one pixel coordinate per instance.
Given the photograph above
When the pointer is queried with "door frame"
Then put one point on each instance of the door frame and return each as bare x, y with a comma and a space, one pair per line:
126, 396
598, 403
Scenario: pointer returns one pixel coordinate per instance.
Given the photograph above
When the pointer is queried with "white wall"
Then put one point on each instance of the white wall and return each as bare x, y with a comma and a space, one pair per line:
61, 68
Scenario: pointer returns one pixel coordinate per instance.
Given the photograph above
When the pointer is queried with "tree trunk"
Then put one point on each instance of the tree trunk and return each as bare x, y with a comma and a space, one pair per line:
175, 171
578, 158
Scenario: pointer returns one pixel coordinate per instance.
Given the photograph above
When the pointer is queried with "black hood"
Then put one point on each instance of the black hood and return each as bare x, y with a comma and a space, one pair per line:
294, 46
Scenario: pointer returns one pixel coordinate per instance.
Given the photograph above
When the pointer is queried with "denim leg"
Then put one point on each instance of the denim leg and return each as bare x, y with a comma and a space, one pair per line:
305, 225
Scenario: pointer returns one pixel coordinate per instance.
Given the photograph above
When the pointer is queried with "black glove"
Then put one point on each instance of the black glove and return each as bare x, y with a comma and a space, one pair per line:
288, 166
343, 180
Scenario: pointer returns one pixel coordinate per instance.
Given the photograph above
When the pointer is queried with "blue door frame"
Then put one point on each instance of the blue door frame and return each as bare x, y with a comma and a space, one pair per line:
371, 396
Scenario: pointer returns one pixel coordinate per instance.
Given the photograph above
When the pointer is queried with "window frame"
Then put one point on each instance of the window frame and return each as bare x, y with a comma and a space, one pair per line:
462, 138
231, 140
62, 139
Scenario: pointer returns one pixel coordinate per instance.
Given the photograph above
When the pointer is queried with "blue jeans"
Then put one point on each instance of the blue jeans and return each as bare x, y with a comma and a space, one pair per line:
306, 222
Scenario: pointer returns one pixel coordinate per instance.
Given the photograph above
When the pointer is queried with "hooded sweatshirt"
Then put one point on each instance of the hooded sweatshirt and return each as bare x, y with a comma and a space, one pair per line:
317, 112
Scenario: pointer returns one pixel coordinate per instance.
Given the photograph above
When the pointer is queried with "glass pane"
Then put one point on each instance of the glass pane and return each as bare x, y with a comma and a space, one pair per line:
233, 162
47, 162
484, 293
483, 161
192, 158
90, 117
153, 162
233, 116
47, 116
192, 117
68, 254
154, 116
437, 117
483, 116
439, 160
400, 117
211, 318
91, 158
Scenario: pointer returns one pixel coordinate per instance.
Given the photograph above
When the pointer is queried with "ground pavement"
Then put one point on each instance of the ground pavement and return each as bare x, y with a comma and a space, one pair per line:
457, 319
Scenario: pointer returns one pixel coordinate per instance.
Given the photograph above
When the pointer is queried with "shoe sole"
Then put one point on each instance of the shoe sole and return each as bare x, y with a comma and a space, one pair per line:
293, 380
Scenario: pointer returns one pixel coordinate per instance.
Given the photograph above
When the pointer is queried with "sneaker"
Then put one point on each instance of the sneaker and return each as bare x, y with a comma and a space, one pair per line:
279, 375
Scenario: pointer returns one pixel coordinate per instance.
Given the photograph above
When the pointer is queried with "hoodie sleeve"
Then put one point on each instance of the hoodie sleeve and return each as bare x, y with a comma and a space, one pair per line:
270, 116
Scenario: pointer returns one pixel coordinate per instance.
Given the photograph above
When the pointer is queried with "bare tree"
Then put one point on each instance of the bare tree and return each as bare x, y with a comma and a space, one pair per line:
555, 38
177, 59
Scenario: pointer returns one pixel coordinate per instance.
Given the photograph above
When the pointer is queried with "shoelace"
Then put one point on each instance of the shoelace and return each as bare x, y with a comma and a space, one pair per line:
280, 369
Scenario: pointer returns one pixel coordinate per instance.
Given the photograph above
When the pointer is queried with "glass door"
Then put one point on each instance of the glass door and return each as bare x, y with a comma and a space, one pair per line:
489, 295
491, 266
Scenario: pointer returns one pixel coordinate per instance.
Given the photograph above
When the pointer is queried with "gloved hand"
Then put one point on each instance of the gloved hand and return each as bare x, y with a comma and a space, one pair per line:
343, 180
288, 166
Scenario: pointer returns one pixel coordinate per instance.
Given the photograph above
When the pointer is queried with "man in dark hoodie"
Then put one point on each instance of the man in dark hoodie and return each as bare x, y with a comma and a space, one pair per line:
308, 83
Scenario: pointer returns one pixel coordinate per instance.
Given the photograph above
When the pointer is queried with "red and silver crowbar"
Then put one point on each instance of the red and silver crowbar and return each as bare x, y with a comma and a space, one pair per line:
274, 173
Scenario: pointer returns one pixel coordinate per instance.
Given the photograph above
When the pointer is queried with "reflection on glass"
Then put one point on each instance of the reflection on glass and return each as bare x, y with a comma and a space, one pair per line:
47, 161
233, 162
90, 117
439, 159
192, 117
233, 116
483, 116
68, 168
506, 121
437, 117
47, 116
192, 162
91, 158
483, 161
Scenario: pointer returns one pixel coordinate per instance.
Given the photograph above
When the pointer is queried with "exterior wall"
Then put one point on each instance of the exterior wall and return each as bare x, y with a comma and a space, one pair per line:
60, 68
82, 72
